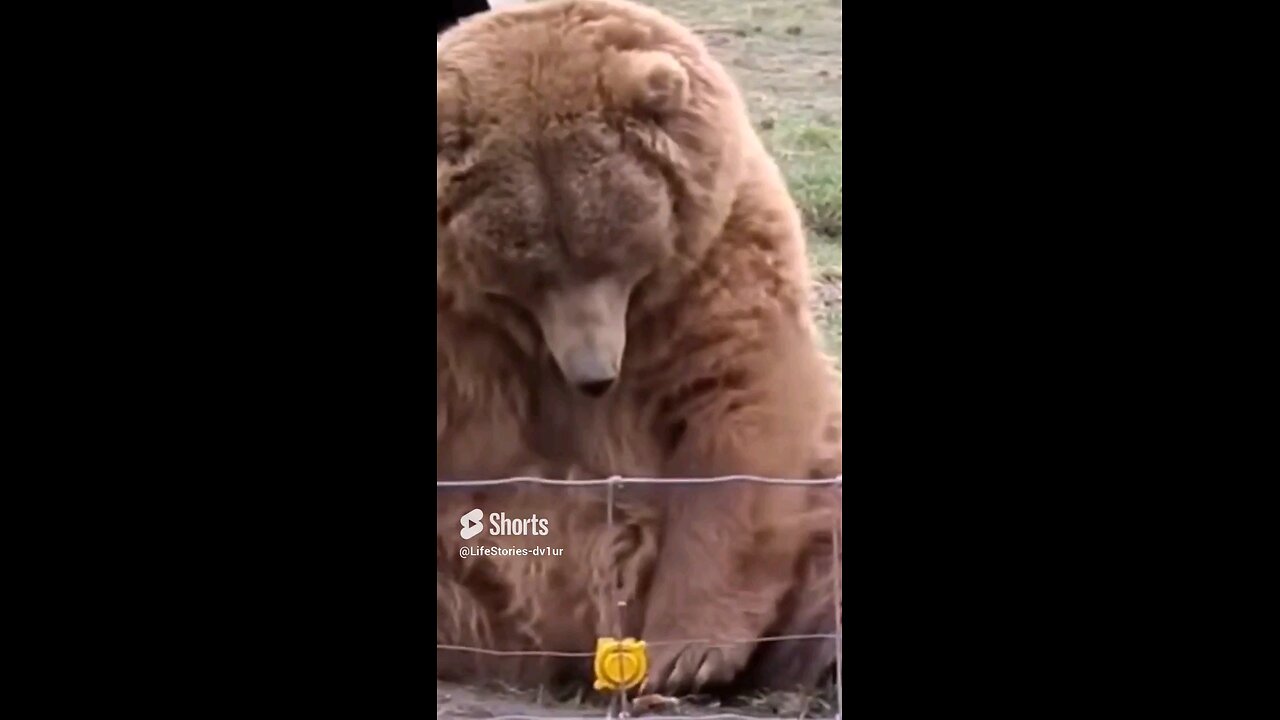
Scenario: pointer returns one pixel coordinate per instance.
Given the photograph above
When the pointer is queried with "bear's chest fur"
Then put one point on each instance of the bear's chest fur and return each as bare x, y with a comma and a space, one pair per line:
596, 436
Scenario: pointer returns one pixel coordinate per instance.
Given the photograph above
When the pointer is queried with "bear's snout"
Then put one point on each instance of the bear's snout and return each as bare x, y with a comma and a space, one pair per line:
590, 372
596, 388
585, 328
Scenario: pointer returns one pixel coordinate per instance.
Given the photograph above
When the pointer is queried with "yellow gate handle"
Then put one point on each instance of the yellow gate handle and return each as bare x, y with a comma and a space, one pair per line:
620, 663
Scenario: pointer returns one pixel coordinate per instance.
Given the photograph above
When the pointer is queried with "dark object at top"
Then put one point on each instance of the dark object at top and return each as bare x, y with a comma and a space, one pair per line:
449, 12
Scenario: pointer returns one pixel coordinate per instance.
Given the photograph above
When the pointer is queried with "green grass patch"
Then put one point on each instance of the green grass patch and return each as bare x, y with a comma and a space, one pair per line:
810, 154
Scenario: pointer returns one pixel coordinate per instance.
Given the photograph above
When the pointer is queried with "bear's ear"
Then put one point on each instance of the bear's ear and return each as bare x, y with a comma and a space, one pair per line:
648, 81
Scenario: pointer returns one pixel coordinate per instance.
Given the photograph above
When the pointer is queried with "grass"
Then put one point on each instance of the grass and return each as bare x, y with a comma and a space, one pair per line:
811, 157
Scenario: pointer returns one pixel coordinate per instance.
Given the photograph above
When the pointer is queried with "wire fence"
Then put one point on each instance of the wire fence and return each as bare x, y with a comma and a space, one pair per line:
619, 704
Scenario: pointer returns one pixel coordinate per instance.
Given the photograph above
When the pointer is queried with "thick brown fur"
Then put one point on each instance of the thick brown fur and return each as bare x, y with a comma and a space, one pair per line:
559, 603
604, 210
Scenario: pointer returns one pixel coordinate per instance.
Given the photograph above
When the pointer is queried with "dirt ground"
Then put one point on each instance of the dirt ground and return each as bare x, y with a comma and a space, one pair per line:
788, 57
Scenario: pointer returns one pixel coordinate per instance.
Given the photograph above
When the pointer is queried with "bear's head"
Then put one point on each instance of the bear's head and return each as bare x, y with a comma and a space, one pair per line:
587, 154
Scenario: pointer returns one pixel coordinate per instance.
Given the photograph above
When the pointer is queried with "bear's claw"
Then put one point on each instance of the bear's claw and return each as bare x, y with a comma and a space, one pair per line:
679, 669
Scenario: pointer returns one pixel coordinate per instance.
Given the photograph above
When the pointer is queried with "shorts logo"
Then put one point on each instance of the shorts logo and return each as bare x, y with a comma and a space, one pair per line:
472, 524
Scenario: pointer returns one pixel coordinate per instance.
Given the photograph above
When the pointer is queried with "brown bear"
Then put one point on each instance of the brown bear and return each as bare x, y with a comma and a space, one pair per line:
622, 286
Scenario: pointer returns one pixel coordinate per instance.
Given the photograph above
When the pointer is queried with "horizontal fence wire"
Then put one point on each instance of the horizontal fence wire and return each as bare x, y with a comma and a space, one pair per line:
618, 480
708, 642
837, 481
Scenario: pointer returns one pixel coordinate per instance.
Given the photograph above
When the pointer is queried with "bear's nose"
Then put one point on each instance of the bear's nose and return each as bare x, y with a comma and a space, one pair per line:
596, 388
